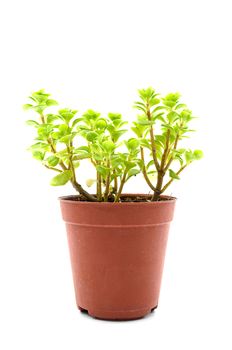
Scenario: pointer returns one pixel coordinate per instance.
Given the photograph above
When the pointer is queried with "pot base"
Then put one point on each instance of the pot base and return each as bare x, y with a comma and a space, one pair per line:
118, 315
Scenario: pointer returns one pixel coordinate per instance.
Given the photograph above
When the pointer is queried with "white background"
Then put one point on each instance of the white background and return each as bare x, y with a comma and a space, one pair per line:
95, 54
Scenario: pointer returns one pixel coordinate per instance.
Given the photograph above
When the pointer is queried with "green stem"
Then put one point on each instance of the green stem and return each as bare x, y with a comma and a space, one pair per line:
115, 188
161, 171
152, 138
144, 170
74, 182
86, 194
170, 181
49, 167
52, 145
42, 118
164, 156
117, 197
174, 148
107, 188
158, 187
99, 187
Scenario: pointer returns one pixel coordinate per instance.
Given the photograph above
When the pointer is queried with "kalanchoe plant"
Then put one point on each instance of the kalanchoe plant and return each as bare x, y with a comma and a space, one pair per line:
57, 143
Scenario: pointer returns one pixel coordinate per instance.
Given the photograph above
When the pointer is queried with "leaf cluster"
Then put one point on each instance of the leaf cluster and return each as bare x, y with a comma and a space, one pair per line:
161, 124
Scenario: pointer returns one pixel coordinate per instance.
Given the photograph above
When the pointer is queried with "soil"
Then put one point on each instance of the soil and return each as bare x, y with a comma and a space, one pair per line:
124, 198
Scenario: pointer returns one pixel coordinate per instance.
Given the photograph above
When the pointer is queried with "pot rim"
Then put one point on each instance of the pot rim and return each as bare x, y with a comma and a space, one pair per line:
67, 199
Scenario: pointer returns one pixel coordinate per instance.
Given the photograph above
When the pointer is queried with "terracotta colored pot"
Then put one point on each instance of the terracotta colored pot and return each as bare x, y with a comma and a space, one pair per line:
117, 255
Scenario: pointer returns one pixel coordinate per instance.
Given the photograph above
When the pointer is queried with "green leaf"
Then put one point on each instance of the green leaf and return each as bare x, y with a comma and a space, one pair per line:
82, 148
97, 156
52, 117
144, 121
116, 134
76, 163
114, 116
90, 115
66, 114
158, 109
189, 157
108, 146
63, 128
67, 138
132, 172
159, 116
81, 155
129, 164
104, 171
186, 115
32, 123
117, 123
51, 102
161, 139
172, 117
180, 105
166, 126
116, 161
91, 136
173, 175
145, 143
154, 101
138, 130
40, 146
55, 135
52, 161
27, 106
40, 96
101, 124
146, 94
179, 158
140, 106
61, 179
38, 155
76, 121
44, 130
132, 144
171, 99
149, 164
63, 154
40, 108
198, 154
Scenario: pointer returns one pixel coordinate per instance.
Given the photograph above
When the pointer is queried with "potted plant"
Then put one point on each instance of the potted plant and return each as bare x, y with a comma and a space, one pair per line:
117, 241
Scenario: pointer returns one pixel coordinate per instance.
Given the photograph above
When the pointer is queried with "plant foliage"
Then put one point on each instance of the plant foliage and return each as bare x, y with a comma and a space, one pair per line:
160, 126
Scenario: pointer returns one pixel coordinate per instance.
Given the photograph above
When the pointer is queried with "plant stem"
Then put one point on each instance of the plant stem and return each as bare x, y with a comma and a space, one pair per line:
144, 170
107, 188
49, 167
74, 182
42, 118
170, 181
115, 188
71, 166
161, 171
174, 148
117, 197
152, 137
99, 187
164, 156
158, 187
53, 148
80, 189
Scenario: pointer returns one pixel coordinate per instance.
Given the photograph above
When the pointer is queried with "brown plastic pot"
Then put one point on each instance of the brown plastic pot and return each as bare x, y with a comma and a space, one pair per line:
117, 254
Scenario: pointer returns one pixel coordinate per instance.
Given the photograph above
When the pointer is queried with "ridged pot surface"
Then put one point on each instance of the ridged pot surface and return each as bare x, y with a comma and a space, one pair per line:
117, 254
